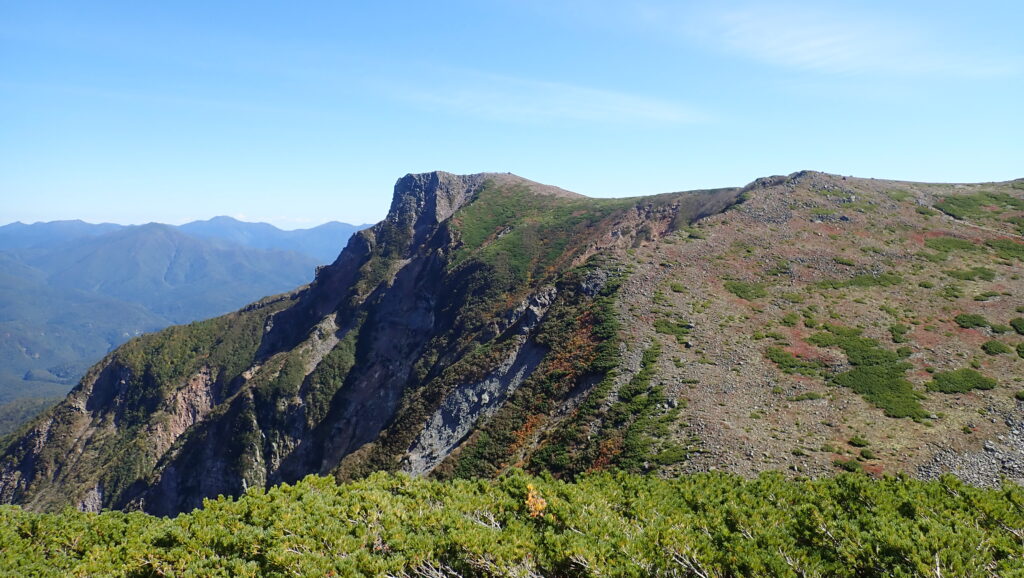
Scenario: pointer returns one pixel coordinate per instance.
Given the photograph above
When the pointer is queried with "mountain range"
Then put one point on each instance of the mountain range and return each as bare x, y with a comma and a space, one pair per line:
320, 242
71, 291
808, 323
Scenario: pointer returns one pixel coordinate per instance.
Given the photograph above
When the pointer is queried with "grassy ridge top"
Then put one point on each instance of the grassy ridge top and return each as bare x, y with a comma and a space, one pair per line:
511, 225
523, 228
704, 525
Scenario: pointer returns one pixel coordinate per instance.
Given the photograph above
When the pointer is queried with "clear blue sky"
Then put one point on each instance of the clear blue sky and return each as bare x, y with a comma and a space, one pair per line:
298, 113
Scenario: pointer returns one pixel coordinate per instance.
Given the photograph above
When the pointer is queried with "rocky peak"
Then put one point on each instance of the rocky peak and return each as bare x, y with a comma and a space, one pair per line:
432, 197
424, 200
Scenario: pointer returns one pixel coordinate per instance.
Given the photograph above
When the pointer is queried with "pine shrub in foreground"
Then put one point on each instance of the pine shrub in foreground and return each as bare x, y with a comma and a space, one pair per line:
607, 524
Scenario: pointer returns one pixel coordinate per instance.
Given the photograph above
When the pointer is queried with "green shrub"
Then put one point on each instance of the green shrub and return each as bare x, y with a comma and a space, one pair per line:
1018, 324
790, 319
959, 381
810, 395
692, 233
867, 454
709, 524
976, 205
972, 274
995, 347
1007, 249
681, 330
790, 363
952, 292
1018, 222
950, 244
864, 281
1019, 395
844, 261
793, 297
878, 374
782, 267
899, 332
970, 320
745, 290
859, 441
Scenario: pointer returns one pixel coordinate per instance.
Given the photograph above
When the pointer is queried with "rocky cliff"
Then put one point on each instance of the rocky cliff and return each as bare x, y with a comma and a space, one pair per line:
476, 294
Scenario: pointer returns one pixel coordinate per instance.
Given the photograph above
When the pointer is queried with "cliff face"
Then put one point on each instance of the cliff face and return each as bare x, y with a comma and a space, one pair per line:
473, 291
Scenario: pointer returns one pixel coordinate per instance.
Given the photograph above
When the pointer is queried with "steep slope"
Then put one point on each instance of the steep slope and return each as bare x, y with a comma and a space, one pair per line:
477, 297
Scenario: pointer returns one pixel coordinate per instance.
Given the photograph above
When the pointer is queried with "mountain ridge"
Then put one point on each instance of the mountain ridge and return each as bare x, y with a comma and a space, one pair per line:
483, 326
320, 242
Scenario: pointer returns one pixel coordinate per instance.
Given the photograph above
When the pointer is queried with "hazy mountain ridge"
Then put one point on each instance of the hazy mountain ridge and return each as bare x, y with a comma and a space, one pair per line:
321, 242
20, 235
71, 291
491, 322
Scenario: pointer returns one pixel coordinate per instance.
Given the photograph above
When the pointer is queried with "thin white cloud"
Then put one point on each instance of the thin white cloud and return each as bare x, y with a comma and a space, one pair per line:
822, 39
802, 39
521, 100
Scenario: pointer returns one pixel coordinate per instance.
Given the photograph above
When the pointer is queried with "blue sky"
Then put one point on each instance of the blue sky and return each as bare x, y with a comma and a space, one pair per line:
298, 113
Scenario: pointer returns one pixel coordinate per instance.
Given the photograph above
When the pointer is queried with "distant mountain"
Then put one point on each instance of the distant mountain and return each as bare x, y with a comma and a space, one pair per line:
22, 236
177, 276
70, 292
322, 243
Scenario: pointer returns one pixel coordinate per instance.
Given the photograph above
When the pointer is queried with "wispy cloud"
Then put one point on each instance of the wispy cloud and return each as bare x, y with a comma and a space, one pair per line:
818, 38
520, 100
